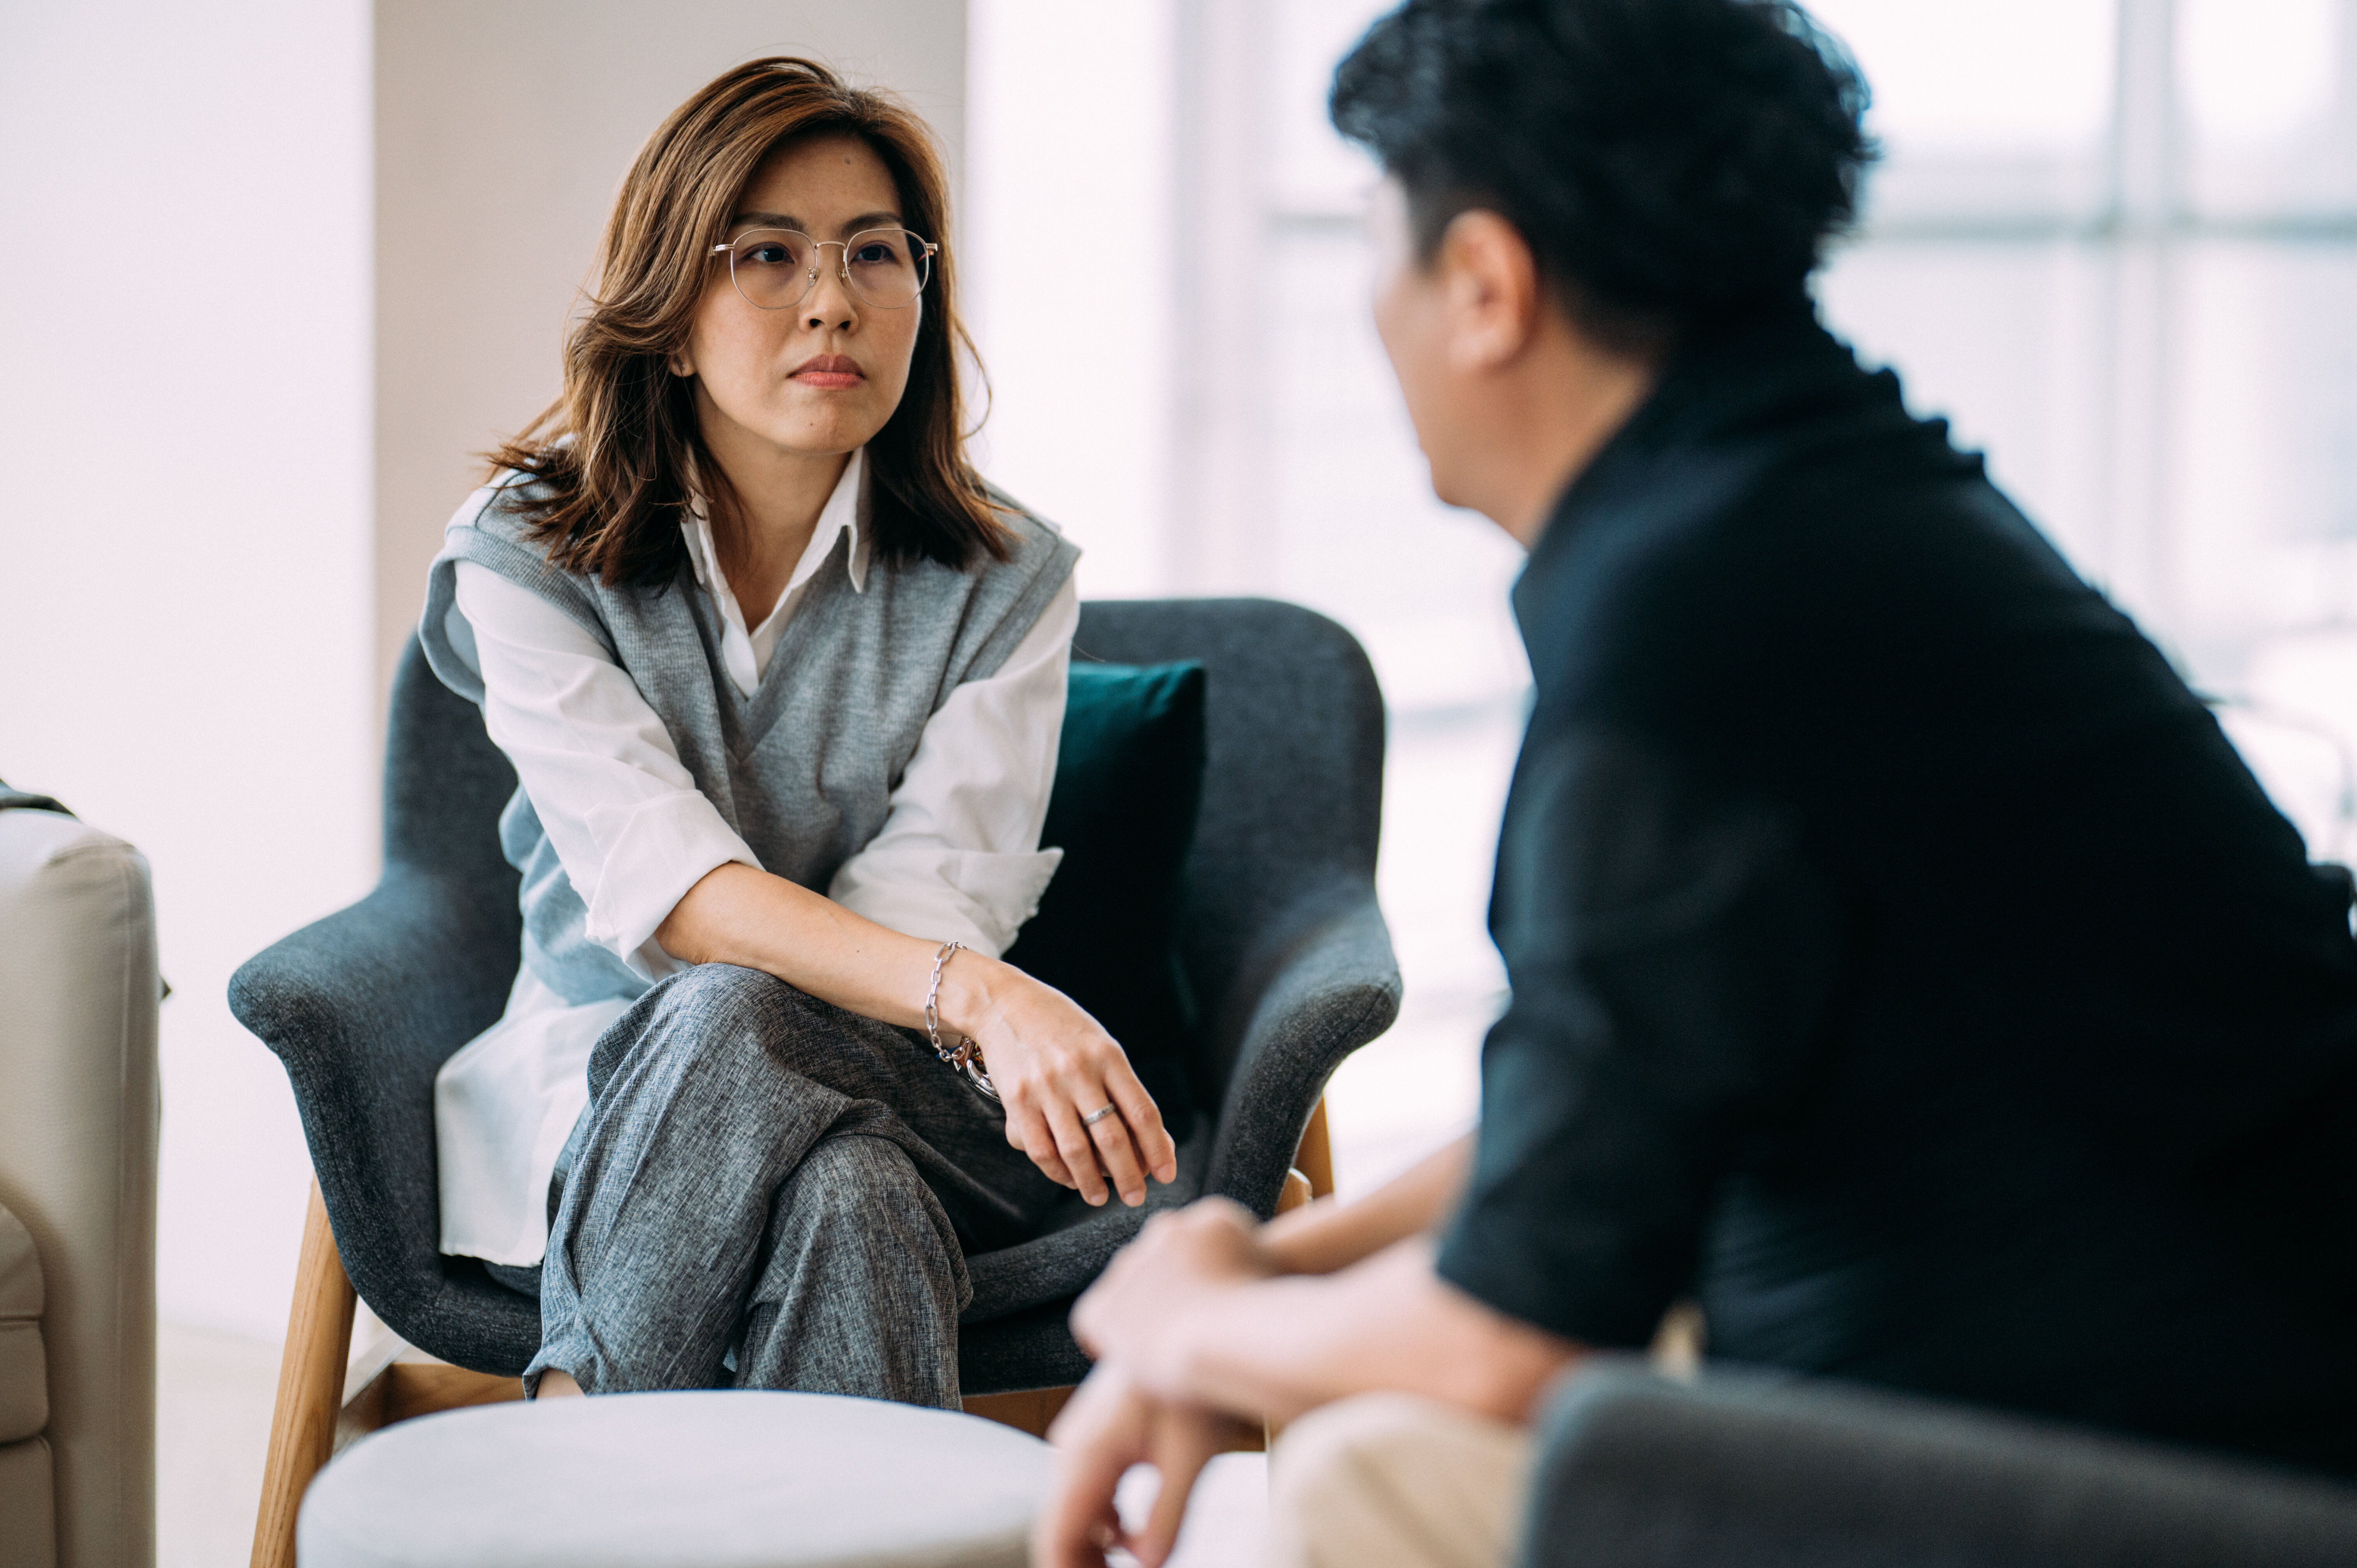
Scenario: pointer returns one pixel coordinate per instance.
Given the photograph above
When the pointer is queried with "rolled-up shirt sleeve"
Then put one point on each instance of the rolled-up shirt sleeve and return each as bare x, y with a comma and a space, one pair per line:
1675, 961
628, 823
959, 856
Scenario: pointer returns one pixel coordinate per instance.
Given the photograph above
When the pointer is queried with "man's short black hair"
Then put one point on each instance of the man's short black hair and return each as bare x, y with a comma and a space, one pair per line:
1670, 162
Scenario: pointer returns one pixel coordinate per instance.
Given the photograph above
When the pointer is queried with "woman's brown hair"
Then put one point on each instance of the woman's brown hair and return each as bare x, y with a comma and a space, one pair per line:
613, 453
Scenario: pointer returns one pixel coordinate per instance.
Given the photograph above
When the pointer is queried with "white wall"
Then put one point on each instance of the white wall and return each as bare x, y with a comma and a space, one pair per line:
184, 413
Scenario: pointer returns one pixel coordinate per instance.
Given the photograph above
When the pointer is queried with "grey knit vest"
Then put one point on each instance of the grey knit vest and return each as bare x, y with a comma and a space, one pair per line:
804, 769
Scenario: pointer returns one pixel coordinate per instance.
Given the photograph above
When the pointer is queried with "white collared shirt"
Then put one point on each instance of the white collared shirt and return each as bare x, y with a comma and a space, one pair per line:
958, 856
746, 649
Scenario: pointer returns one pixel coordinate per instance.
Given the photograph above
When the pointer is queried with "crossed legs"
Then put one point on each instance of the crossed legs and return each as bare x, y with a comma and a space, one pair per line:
768, 1181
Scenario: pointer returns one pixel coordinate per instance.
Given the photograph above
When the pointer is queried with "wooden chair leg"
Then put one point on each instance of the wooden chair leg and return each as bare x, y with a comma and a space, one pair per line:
1032, 1411
1298, 1190
310, 1387
1316, 1158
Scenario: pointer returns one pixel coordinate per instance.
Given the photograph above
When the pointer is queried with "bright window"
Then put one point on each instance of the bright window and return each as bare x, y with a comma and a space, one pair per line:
2113, 242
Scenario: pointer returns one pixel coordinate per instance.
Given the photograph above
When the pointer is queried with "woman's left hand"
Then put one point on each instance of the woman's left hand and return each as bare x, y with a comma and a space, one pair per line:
1054, 1068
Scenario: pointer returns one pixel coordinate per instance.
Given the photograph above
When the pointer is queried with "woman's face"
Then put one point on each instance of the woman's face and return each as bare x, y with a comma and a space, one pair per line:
819, 378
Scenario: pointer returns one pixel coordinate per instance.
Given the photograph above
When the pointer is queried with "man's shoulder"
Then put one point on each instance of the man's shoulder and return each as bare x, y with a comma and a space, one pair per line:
1661, 572
1746, 545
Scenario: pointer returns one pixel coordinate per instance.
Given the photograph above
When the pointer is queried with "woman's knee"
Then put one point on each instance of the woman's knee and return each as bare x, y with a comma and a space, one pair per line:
723, 994
703, 1017
721, 1006
848, 1177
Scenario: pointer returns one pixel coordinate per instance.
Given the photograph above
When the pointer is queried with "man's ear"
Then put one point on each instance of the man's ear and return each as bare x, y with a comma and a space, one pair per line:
1491, 282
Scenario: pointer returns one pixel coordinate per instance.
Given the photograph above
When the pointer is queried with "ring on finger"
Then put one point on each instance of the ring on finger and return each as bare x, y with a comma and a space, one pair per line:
1099, 1114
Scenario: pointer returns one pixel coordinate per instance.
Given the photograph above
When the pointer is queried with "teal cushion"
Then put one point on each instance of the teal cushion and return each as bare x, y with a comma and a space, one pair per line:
1129, 782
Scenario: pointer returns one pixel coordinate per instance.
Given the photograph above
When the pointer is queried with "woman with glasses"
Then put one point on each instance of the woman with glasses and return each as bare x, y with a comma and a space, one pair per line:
782, 682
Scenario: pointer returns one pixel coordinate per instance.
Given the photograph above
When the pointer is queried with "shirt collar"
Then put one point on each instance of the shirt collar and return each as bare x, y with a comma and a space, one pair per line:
846, 513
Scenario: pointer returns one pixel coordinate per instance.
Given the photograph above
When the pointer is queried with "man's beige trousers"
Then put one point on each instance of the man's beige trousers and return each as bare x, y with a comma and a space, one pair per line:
1393, 1481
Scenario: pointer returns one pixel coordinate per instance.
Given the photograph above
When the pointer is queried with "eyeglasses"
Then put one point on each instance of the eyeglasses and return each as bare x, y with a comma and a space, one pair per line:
776, 269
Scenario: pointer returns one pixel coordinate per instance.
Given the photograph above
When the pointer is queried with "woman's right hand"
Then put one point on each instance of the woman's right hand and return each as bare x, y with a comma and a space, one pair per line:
1054, 1066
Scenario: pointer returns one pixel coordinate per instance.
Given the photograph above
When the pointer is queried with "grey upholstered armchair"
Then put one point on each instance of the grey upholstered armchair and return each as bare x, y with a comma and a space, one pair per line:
1282, 944
1751, 1470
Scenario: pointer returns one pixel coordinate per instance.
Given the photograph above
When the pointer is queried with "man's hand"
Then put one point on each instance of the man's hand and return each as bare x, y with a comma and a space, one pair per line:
1110, 1426
1180, 1262
1116, 1420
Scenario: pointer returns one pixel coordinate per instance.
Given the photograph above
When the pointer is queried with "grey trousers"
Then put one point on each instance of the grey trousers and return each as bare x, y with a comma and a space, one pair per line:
766, 1180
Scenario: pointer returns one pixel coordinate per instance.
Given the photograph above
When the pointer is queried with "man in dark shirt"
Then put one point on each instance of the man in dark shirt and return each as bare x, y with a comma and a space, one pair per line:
1905, 968
1904, 964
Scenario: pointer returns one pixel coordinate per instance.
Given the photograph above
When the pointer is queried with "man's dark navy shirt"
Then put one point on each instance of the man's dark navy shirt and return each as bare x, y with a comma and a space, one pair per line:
1904, 964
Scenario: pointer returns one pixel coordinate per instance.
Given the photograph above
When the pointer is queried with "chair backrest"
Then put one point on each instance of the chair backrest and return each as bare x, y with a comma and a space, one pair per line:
445, 785
1292, 782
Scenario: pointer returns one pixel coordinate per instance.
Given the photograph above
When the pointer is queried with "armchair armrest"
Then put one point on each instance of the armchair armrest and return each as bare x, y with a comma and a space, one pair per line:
1324, 984
1758, 1471
78, 1124
415, 965
363, 1007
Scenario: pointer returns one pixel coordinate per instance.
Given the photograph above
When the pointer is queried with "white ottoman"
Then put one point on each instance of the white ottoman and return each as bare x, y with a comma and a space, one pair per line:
679, 1480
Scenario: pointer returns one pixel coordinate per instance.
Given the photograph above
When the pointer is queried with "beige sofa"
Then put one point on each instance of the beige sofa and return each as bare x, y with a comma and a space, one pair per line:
77, 1125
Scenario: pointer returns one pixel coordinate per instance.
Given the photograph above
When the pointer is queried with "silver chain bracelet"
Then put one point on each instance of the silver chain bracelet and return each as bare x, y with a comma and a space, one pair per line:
965, 1055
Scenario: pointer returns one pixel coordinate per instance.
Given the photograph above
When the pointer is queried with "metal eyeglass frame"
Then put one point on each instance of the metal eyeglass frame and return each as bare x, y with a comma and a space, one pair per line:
841, 265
